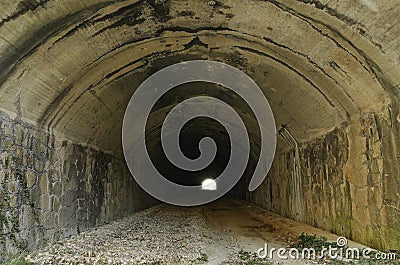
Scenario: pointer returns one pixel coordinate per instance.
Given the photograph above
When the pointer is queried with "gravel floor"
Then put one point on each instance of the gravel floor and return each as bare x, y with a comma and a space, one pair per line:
162, 233
210, 234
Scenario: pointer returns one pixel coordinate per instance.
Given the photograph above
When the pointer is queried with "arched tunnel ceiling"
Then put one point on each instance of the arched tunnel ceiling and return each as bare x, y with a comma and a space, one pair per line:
72, 66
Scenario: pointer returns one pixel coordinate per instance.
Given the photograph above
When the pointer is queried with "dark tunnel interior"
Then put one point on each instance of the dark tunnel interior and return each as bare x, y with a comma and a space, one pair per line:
195, 130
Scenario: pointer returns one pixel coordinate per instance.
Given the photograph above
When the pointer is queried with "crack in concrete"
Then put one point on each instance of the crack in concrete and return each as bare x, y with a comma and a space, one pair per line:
9, 63
24, 7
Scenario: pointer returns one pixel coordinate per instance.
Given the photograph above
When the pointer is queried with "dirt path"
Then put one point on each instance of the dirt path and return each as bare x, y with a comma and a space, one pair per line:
250, 227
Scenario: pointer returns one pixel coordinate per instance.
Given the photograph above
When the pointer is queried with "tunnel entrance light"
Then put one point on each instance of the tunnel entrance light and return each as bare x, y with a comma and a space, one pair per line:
209, 184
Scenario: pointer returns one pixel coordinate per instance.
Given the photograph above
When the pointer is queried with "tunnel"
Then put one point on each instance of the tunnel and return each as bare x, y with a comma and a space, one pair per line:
330, 71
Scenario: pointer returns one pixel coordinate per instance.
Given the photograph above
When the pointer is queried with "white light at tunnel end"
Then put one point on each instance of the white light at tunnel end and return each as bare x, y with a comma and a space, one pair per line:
153, 88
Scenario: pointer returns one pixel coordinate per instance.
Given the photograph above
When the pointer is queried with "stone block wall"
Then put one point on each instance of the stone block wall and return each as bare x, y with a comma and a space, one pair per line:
350, 182
52, 188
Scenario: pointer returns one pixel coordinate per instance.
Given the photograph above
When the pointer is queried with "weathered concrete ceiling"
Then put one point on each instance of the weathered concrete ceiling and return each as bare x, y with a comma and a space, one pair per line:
72, 66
